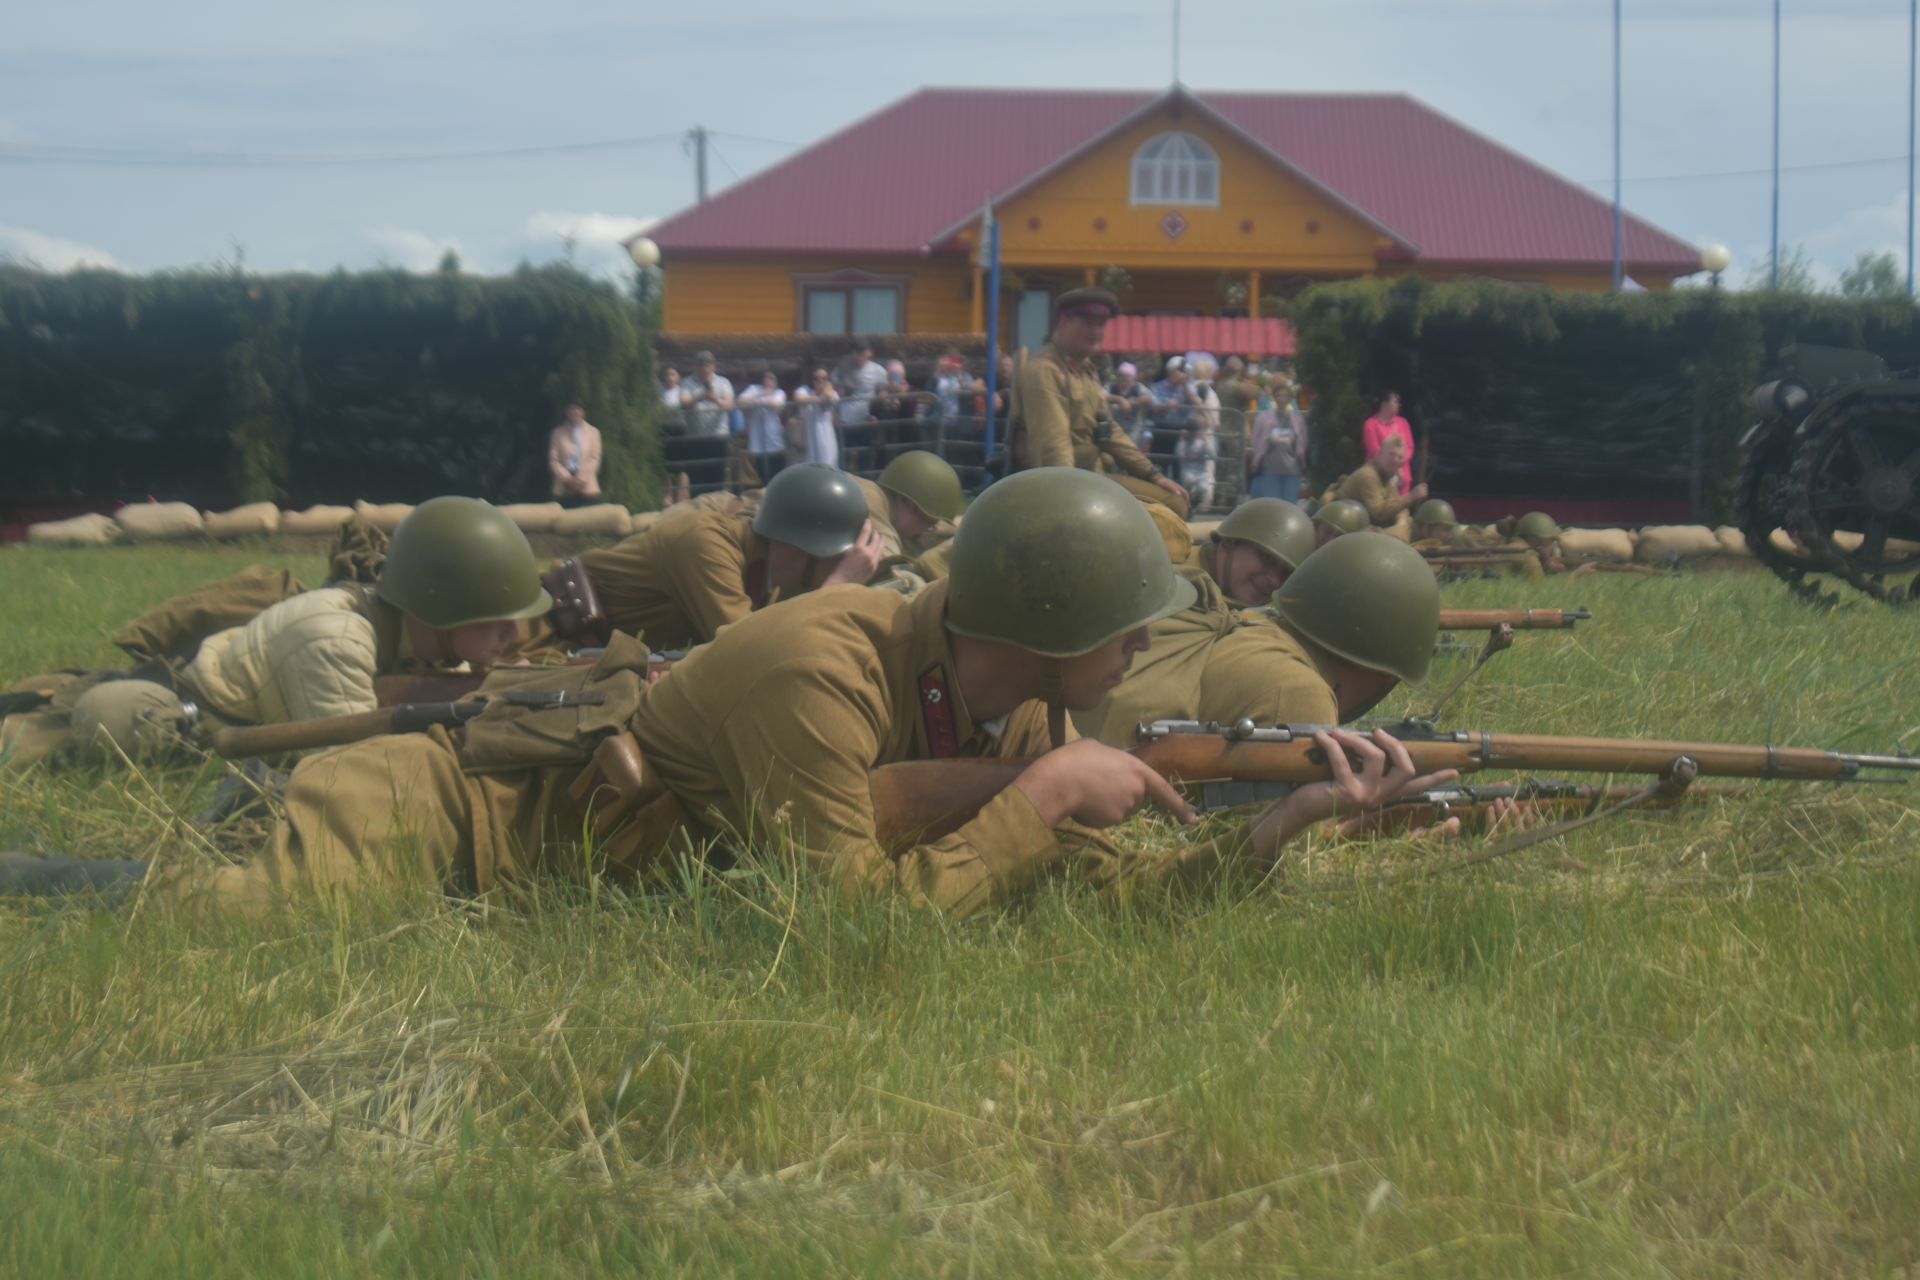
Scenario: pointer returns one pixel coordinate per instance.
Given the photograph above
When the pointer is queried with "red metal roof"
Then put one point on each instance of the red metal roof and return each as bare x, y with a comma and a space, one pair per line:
895, 180
1166, 335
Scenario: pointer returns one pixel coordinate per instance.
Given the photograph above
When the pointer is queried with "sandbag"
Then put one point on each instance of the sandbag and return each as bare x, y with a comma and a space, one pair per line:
91, 530
1596, 544
1733, 542
1663, 543
384, 516
604, 520
533, 517
255, 520
159, 521
317, 521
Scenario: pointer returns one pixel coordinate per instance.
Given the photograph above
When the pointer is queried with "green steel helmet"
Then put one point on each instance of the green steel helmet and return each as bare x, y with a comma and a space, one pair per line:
1373, 601
1344, 514
1436, 511
1308, 503
1536, 526
1273, 524
139, 716
1059, 561
814, 507
925, 480
455, 561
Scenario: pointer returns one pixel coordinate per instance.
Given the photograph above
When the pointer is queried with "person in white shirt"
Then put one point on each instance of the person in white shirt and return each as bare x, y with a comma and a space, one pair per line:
818, 439
1195, 456
573, 458
766, 439
858, 379
706, 397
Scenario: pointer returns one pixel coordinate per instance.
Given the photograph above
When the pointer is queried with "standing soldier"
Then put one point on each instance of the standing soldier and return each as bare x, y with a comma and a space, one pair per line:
1062, 407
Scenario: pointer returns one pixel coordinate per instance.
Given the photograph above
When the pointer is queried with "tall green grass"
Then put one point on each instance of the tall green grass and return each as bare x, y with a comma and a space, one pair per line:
1679, 1043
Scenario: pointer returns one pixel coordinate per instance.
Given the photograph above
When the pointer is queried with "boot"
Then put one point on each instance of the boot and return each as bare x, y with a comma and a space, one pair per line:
106, 880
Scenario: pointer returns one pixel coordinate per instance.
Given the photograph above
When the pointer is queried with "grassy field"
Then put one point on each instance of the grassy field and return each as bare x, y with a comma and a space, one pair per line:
1682, 1043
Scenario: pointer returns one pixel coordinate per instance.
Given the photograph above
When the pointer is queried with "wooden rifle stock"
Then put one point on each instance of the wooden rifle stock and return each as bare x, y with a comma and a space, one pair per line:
924, 800
237, 741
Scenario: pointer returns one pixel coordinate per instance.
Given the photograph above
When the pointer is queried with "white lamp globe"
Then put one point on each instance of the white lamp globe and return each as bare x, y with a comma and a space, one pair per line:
644, 252
1716, 258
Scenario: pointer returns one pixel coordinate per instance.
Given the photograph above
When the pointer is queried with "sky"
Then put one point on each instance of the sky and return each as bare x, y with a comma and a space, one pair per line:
384, 132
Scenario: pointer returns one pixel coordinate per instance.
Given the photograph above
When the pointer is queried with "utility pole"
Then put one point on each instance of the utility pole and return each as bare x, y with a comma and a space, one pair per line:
1618, 246
1176, 41
1913, 67
697, 140
1773, 253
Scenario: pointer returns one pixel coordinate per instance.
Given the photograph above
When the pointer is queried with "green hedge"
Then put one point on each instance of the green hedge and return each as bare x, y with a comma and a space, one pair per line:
221, 387
1575, 394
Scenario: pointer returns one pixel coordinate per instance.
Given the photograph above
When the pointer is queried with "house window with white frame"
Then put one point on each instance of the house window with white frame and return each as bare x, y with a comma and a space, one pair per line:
1176, 168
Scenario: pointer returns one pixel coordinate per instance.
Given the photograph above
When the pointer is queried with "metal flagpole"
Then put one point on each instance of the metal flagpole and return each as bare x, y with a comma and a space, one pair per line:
1913, 70
1617, 273
991, 245
1774, 272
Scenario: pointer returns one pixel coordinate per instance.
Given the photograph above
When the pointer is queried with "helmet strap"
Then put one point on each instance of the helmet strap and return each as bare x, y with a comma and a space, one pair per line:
1053, 690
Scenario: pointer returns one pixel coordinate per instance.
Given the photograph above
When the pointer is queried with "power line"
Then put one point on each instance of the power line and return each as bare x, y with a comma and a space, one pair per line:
723, 160
125, 157
1753, 173
747, 137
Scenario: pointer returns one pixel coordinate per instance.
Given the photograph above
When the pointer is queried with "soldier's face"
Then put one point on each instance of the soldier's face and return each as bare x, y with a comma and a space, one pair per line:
787, 568
1088, 679
1250, 575
1359, 690
909, 519
1079, 333
480, 644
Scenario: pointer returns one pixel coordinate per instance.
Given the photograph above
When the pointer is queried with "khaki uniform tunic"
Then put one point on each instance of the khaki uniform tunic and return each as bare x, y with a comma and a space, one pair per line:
1064, 411
1370, 489
682, 580
1214, 661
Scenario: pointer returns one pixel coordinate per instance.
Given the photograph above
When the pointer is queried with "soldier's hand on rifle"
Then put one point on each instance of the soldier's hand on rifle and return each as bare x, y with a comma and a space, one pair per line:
1096, 786
858, 562
1385, 772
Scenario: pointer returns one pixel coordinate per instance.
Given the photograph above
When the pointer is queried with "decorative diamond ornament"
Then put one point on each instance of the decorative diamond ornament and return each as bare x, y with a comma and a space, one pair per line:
1174, 225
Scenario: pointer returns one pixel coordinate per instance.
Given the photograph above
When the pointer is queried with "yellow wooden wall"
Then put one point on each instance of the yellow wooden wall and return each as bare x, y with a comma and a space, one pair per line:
1261, 222
736, 295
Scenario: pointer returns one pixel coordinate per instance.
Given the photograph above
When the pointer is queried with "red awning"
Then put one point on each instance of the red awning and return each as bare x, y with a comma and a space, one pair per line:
1223, 336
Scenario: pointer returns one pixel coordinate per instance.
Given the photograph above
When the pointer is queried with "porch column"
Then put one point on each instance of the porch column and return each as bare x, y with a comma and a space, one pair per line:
1091, 276
979, 300
1253, 295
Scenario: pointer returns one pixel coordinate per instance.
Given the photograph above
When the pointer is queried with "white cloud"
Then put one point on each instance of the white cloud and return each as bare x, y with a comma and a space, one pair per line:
412, 250
51, 253
586, 230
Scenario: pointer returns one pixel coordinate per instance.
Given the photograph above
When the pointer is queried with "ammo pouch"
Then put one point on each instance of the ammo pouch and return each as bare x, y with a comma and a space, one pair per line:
577, 614
508, 736
636, 823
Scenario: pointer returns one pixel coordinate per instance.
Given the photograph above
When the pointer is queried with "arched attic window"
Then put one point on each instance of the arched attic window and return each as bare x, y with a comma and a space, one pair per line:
1176, 168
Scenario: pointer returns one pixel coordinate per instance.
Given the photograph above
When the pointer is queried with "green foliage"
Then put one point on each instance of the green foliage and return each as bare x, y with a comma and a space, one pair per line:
1874, 274
1796, 271
220, 386
1694, 356
1675, 1043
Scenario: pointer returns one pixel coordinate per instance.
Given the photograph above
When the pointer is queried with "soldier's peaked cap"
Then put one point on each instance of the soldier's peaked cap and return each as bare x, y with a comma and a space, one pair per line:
1090, 301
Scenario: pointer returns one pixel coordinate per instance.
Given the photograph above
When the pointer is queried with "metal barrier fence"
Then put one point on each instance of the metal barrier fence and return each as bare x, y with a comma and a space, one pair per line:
712, 462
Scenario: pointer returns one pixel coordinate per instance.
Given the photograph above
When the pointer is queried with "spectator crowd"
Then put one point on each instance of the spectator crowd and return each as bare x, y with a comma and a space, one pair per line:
1225, 430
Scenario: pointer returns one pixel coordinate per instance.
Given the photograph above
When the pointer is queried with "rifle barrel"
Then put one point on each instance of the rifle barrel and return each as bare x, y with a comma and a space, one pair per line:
1518, 619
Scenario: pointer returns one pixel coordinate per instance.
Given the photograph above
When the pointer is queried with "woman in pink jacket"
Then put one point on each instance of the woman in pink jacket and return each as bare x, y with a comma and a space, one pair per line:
1387, 422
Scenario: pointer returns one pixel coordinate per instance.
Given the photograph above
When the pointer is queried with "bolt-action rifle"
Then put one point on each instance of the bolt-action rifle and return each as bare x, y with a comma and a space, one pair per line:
451, 686
923, 800
238, 741
1518, 619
